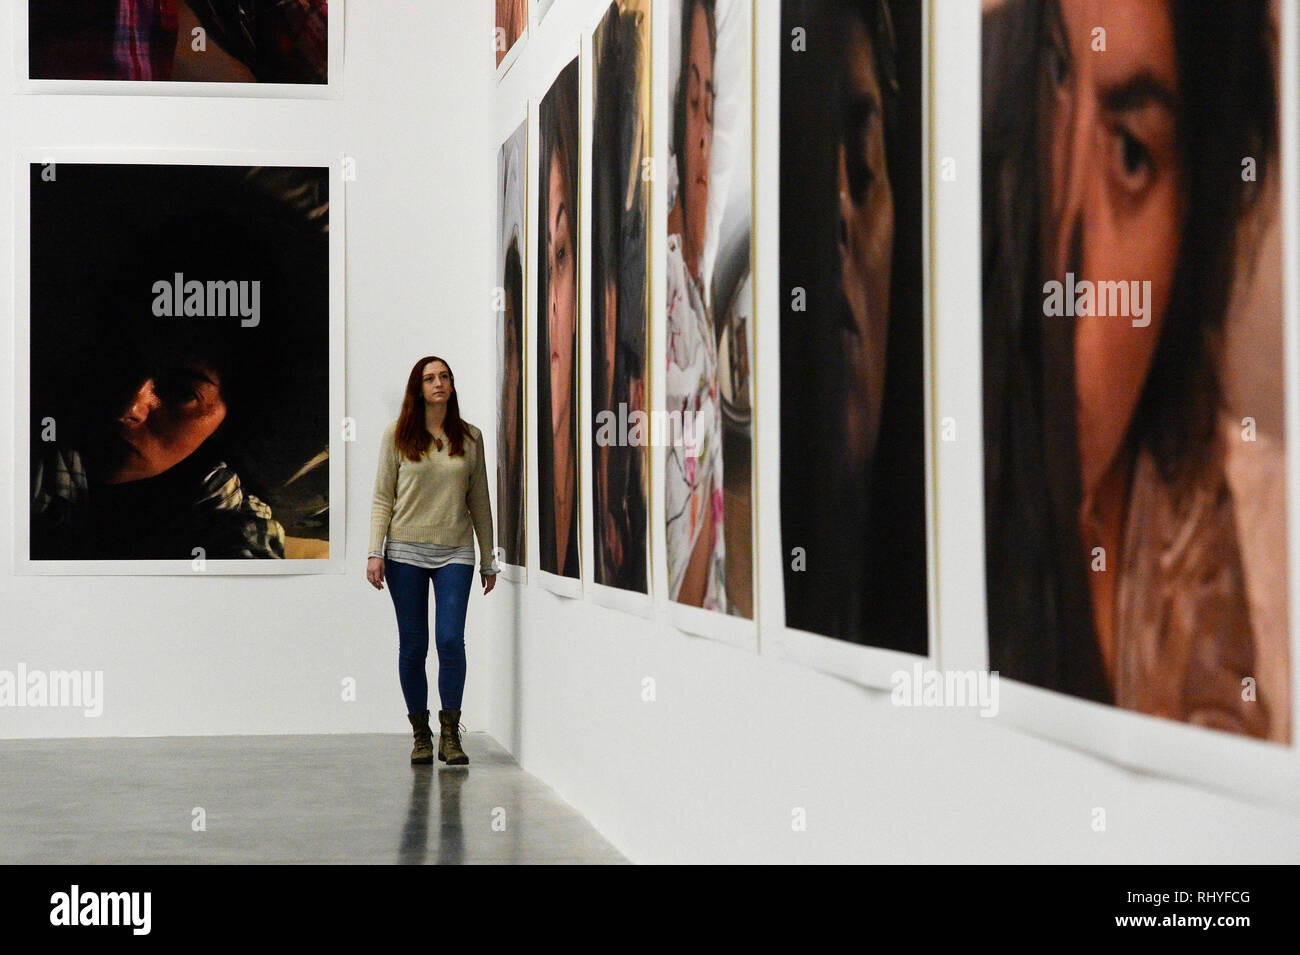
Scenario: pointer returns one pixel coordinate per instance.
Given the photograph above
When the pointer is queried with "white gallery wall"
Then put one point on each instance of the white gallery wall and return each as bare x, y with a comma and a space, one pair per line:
249, 654
739, 756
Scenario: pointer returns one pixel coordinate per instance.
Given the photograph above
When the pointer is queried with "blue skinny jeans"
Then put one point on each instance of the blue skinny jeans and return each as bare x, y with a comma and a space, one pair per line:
409, 587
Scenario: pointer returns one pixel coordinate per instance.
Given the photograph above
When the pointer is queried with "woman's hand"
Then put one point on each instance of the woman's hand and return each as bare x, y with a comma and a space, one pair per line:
489, 581
375, 572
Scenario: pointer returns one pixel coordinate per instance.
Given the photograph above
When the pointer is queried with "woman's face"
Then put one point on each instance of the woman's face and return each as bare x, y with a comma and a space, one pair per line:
437, 385
561, 286
1113, 206
866, 245
699, 135
166, 419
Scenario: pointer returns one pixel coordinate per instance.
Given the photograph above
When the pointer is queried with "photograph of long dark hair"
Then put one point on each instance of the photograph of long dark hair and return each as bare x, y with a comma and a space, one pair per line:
511, 453
862, 535
558, 137
620, 206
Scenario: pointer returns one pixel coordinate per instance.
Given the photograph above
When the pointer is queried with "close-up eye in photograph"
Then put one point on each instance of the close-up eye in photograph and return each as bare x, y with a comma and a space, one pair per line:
650, 432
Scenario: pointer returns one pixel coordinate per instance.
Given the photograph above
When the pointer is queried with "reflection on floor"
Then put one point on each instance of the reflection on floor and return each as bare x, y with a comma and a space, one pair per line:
253, 799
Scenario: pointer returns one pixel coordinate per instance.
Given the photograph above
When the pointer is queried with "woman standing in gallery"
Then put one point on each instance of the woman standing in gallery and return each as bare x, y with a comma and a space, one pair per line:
430, 501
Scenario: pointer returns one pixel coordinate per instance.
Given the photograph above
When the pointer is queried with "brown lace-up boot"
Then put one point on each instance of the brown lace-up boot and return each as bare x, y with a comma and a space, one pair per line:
423, 752
449, 750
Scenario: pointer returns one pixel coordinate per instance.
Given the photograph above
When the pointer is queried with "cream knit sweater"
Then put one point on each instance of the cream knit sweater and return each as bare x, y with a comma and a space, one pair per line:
436, 500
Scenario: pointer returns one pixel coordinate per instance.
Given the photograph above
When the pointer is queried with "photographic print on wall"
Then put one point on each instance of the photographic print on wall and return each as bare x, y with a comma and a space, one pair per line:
198, 299
175, 43
512, 23
512, 254
1134, 439
710, 308
620, 214
853, 321
557, 326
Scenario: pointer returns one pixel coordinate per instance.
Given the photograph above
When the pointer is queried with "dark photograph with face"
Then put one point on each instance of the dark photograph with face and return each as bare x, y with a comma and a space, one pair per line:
179, 362
1135, 478
620, 213
196, 41
557, 326
512, 244
709, 323
853, 434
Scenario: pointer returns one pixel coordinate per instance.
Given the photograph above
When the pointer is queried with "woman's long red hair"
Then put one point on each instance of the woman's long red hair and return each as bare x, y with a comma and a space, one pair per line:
412, 437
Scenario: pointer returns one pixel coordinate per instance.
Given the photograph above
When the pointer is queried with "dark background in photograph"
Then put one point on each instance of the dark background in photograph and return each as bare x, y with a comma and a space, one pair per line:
865, 580
620, 48
510, 466
101, 235
250, 41
512, 190
557, 129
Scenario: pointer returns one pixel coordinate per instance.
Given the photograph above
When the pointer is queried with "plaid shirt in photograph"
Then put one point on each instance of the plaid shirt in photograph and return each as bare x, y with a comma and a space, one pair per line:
226, 520
144, 39
279, 41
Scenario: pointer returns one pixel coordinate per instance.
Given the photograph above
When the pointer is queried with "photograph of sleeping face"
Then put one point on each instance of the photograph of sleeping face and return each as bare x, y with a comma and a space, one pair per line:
708, 402
853, 435
1135, 468
620, 213
557, 326
196, 41
179, 362
512, 253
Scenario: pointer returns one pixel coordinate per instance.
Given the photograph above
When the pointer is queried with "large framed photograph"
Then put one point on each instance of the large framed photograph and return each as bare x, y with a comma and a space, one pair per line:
558, 289
290, 48
1135, 349
512, 264
510, 33
202, 294
708, 401
618, 304
854, 341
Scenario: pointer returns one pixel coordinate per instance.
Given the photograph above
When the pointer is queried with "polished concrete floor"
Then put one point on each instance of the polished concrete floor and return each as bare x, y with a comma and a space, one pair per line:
325, 799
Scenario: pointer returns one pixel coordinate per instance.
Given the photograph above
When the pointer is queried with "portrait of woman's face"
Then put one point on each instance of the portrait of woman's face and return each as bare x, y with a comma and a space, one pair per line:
866, 243
166, 419
561, 288
1113, 203
699, 133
